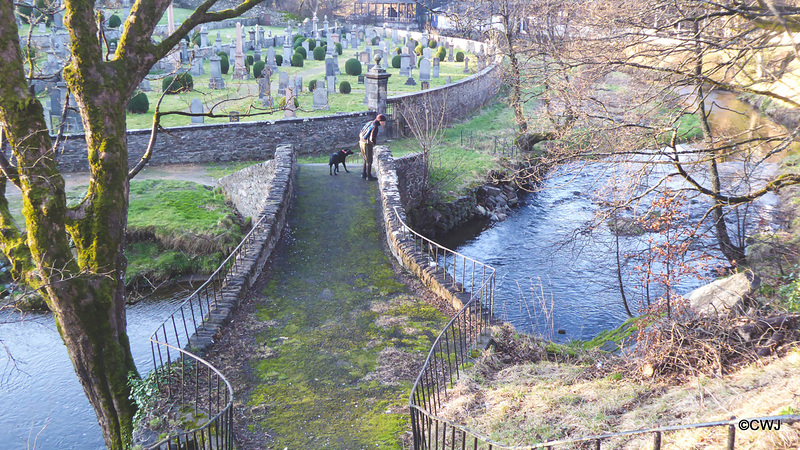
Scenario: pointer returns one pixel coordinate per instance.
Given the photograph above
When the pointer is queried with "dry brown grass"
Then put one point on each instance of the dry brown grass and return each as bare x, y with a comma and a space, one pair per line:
520, 403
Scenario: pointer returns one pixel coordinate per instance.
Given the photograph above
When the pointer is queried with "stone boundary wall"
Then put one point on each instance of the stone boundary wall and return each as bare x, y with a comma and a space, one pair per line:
253, 141
403, 250
259, 246
246, 188
242, 141
410, 182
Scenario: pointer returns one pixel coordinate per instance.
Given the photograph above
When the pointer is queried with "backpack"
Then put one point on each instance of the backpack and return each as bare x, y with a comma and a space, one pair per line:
366, 130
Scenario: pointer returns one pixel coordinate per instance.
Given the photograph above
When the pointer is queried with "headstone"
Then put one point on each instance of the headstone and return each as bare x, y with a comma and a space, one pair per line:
309, 53
287, 47
481, 62
290, 108
42, 28
448, 80
264, 85
58, 21
330, 68
233, 116
354, 40
427, 52
435, 68
197, 108
197, 67
330, 83
405, 64
252, 33
184, 51
145, 85
394, 34
410, 82
271, 58
321, 98
203, 36
218, 43
450, 56
215, 82
361, 79
466, 64
315, 25
424, 85
410, 47
325, 26
424, 39
239, 69
363, 57
425, 70
283, 82
298, 85
257, 54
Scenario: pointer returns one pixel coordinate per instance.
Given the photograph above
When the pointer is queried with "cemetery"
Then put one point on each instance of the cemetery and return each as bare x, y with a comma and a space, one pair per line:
241, 72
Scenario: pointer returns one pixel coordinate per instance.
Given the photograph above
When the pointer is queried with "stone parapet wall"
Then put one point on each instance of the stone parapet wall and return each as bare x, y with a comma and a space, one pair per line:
401, 247
254, 250
246, 188
410, 180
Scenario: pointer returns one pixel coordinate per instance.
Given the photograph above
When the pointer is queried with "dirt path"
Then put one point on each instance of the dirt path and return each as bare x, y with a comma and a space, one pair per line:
323, 356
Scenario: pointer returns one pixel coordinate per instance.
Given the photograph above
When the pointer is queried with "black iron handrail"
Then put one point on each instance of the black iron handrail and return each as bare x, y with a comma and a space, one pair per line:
193, 322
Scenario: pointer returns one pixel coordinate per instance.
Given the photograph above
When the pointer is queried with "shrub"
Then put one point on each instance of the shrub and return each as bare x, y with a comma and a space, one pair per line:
224, 64
376, 40
301, 51
460, 56
319, 53
312, 43
398, 50
432, 43
419, 60
26, 13
196, 39
312, 85
183, 82
250, 60
258, 68
45, 5
114, 21
353, 67
338, 48
298, 38
396, 61
441, 53
418, 50
28, 54
278, 60
297, 60
344, 87
282, 102
139, 103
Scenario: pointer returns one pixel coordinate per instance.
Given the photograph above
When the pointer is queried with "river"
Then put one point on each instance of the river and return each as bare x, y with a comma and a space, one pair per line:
552, 281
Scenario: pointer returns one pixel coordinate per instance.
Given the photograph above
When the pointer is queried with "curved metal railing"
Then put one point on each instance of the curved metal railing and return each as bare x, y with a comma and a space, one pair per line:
192, 384
453, 350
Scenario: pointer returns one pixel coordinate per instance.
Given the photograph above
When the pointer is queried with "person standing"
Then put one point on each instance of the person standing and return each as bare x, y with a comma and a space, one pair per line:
367, 139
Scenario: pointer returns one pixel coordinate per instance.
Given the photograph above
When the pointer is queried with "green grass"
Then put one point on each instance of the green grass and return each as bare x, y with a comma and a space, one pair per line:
219, 170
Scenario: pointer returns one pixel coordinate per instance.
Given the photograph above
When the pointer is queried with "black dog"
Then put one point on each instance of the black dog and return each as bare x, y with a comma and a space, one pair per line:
336, 158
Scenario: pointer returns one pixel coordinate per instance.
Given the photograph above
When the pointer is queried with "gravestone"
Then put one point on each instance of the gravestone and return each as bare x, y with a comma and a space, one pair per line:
424, 85
233, 116
264, 85
363, 57
410, 47
239, 69
288, 112
215, 82
271, 58
315, 25
283, 82
405, 64
354, 40
218, 43
424, 39
330, 83
481, 62
435, 68
394, 34
425, 69
427, 52
466, 64
197, 67
257, 54
410, 82
252, 33
203, 37
448, 80
450, 56
361, 79
298, 85
287, 48
42, 28
145, 85
309, 54
197, 108
330, 68
321, 98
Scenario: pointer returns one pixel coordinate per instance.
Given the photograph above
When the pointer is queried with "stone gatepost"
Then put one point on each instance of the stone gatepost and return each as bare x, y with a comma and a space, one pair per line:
376, 81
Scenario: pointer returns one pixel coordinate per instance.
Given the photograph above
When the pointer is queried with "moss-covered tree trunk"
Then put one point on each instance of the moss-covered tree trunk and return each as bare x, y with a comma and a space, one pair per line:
74, 255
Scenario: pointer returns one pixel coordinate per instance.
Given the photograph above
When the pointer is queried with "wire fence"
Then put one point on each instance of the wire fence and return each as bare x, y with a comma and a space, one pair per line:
488, 144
